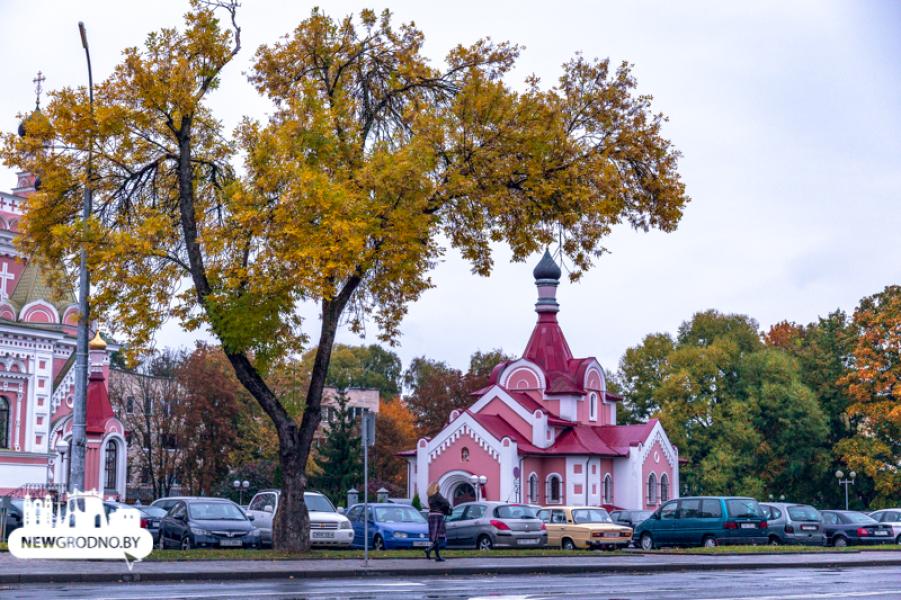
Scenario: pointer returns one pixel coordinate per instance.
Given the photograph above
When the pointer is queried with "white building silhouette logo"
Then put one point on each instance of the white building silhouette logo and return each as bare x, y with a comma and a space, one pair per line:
82, 531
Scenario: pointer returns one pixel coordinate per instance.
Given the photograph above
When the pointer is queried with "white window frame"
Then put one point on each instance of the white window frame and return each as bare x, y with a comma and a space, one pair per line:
592, 406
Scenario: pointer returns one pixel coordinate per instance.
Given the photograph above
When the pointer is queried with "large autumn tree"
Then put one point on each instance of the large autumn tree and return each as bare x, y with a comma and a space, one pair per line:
873, 382
373, 156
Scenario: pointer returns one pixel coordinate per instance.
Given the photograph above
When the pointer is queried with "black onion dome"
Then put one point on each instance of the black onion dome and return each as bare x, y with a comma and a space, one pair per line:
547, 268
22, 128
37, 182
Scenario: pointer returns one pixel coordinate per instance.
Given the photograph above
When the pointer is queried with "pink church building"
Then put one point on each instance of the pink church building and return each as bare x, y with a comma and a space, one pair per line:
37, 377
544, 432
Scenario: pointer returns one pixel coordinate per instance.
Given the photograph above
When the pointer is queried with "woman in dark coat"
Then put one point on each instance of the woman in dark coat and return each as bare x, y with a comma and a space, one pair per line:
439, 508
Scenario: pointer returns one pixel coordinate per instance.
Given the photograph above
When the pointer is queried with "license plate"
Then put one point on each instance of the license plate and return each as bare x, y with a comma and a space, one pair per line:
612, 534
154, 523
528, 541
809, 527
231, 543
422, 544
323, 534
882, 533
749, 525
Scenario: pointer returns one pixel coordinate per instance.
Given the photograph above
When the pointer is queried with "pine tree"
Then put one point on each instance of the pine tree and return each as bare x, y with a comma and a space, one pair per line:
339, 459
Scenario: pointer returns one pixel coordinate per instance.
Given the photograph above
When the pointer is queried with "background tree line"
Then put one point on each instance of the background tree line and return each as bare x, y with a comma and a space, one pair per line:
777, 413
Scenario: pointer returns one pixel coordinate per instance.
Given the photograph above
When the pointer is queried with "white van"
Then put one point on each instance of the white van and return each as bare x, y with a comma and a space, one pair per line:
327, 527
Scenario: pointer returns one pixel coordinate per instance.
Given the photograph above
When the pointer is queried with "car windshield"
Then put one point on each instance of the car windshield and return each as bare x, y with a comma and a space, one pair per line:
215, 511
744, 508
153, 511
398, 514
515, 511
803, 513
591, 515
318, 503
640, 515
859, 518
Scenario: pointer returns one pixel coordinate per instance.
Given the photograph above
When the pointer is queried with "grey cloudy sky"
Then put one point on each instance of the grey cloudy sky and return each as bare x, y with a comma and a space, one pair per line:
788, 115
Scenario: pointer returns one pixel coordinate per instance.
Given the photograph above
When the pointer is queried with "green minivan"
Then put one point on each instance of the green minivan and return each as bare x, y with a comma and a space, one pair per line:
703, 521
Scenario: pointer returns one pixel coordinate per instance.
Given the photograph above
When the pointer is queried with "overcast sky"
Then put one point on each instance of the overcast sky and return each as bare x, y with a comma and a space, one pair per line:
788, 115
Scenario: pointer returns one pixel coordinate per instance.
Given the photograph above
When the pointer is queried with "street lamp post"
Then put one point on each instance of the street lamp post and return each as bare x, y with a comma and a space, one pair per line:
477, 482
79, 409
845, 482
241, 487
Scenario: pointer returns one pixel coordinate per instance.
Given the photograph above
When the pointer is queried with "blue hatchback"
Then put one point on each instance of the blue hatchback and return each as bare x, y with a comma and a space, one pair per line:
391, 526
704, 521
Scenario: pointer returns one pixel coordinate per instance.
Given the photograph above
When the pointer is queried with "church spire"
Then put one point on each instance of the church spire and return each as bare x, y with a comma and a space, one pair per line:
547, 277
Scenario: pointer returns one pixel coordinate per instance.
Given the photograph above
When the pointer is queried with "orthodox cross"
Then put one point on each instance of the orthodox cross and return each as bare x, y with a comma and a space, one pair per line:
38, 88
5, 277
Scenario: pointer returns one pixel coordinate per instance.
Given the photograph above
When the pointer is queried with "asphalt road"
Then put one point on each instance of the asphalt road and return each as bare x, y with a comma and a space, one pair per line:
779, 584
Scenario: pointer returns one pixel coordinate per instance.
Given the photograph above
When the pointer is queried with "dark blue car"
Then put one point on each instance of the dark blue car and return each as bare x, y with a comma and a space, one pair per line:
704, 521
391, 526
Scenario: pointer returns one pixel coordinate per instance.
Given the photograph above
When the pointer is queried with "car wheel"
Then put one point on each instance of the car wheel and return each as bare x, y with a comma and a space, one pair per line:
568, 544
898, 540
647, 542
709, 542
484, 543
186, 543
774, 540
839, 542
161, 543
378, 543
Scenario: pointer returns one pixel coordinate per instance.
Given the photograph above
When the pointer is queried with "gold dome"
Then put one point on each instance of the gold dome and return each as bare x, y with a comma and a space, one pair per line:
97, 343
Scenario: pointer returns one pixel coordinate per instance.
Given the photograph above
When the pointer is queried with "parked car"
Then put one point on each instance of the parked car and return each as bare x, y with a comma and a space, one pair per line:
704, 521
207, 522
571, 527
850, 527
327, 526
13, 508
630, 518
150, 516
891, 517
391, 526
793, 524
484, 525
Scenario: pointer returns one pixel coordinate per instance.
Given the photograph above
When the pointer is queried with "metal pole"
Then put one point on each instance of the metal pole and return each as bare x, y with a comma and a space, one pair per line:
846, 493
365, 495
79, 436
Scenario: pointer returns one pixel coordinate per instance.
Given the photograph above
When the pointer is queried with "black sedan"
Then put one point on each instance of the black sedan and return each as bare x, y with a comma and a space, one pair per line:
13, 509
848, 527
150, 516
207, 522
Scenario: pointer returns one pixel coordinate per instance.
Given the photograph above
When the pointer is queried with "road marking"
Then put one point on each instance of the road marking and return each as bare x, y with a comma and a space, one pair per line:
816, 595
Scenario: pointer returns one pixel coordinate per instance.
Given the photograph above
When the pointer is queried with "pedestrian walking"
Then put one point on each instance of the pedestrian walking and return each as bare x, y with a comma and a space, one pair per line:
439, 508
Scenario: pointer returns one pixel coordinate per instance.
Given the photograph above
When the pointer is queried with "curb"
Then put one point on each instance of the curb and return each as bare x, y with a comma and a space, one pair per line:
431, 571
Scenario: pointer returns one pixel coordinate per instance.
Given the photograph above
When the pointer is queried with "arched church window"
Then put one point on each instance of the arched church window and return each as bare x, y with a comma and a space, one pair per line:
664, 487
652, 489
4, 422
554, 491
111, 465
608, 489
464, 454
593, 407
533, 488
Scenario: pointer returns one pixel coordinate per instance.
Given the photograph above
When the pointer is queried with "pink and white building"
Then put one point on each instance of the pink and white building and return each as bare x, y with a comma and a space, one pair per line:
544, 431
37, 376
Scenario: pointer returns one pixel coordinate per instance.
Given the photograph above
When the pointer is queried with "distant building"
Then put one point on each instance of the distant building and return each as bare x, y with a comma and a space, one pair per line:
359, 400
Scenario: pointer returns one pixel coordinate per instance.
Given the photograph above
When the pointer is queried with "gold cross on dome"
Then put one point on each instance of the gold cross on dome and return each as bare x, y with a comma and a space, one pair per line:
38, 88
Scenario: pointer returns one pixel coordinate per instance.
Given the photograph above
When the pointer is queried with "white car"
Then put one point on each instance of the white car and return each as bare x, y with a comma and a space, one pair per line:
327, 526
890, 516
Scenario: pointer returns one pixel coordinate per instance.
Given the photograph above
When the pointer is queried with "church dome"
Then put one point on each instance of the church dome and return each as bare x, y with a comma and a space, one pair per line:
547, 268
97, 343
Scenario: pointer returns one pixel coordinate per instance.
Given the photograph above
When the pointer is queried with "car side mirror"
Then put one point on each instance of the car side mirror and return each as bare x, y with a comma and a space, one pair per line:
250, 517
268, 508
656, 515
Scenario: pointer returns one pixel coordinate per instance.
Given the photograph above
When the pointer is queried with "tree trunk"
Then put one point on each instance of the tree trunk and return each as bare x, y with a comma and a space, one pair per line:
291, 523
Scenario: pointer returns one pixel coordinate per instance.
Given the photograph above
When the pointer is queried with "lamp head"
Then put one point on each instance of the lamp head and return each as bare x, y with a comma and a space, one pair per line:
839, 474
483, 480
852, 474
84, 35
236, 484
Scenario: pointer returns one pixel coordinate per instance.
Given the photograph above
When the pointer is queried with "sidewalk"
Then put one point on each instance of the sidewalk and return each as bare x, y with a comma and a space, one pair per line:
13, 570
